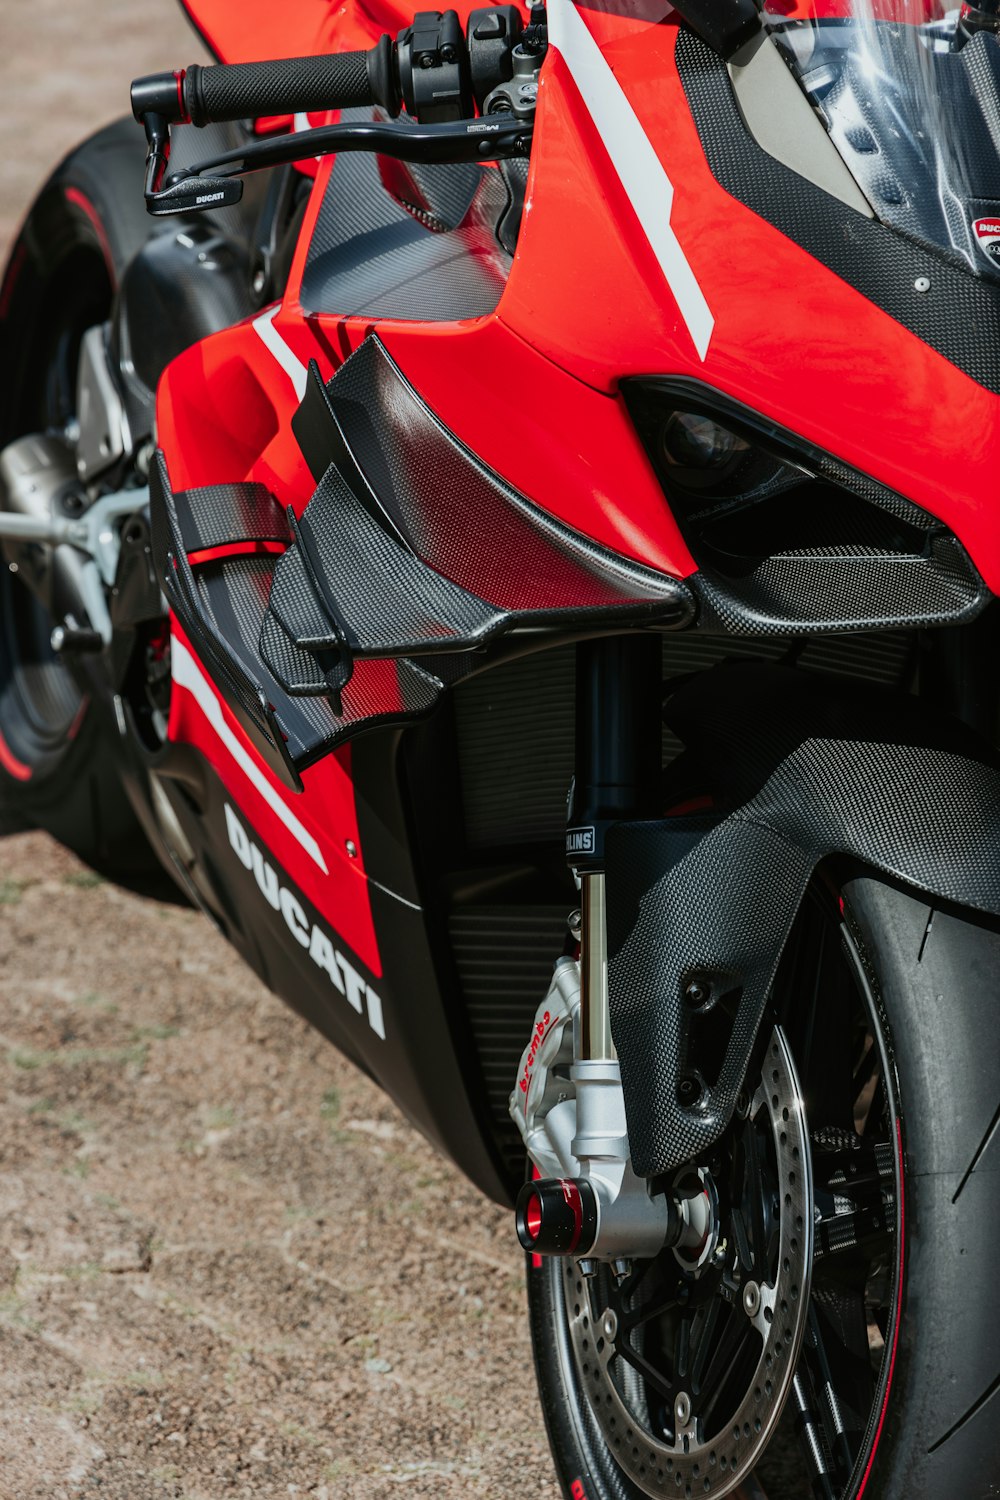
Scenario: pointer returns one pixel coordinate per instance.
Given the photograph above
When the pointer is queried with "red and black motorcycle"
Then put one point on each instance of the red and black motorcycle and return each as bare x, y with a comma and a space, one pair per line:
499, 507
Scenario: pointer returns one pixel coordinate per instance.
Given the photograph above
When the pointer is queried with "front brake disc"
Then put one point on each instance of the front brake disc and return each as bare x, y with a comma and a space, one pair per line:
687, 1383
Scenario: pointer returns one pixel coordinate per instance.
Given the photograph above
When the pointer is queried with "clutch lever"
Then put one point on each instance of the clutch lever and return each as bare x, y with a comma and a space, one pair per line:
214, 182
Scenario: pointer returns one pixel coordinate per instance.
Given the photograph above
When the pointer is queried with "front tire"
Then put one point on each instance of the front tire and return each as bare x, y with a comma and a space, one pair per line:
922, 1083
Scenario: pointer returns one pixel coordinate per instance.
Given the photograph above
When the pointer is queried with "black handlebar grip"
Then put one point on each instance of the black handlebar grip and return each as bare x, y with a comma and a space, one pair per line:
292, 85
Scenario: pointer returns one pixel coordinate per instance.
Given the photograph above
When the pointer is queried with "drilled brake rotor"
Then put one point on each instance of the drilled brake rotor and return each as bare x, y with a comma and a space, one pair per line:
687, 1369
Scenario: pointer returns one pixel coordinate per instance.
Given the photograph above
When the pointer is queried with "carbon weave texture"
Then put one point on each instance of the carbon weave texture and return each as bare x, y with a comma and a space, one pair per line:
842, 589
223, 609
234, 595
238, 91
959, 318
463, 521
873, 129
390, 603
416, 550
217, 514
830, 768
298, 671
238, 685
371, 256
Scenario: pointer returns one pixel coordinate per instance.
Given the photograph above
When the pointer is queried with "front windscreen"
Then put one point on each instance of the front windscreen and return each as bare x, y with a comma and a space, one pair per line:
910, 95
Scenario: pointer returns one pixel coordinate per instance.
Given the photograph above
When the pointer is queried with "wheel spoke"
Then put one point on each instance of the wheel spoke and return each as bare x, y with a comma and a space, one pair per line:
708, 1321
812, 1438
835, 1419
728, 1351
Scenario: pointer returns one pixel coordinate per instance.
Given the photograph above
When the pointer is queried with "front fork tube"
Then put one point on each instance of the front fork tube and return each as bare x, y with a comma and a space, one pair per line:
618, 741
618, 754
604, 1212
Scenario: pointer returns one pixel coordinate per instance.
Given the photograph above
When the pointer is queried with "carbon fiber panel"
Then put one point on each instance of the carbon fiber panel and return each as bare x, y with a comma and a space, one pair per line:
242, 691
437, 260
217, 514
829, 768
960, 319
844, 589
410, 547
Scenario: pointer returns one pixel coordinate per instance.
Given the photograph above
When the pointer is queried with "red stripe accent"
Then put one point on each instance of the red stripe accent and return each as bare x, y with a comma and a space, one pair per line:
536, 1259
895, 1332
572, 1195
11, 764
13, 272
185, 117
85, 206
78, 718
236, 549
692, 805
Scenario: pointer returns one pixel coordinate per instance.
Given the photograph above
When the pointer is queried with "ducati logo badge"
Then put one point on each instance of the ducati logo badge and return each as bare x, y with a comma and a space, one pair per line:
987, 232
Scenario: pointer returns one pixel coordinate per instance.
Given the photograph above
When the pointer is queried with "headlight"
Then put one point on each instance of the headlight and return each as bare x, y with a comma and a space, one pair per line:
787, 537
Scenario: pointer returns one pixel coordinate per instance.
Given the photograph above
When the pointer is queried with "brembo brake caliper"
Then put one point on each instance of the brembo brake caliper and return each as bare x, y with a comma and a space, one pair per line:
588, 1202
568, 1103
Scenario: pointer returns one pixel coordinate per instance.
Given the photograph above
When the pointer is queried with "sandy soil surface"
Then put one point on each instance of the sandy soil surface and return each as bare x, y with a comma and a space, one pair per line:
217, 1273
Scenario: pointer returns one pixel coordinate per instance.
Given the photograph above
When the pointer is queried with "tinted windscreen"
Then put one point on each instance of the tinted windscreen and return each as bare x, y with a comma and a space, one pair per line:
914, 110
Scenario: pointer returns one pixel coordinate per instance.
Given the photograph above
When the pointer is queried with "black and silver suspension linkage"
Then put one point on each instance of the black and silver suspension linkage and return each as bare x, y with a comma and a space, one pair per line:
436, 72
604, 1211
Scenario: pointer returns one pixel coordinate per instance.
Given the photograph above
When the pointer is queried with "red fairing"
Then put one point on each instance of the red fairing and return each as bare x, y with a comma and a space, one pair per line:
587, 299
309, 834
823, 361
587, 303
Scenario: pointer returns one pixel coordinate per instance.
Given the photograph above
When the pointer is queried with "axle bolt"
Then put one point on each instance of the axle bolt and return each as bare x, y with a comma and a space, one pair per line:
688, 1090
697, 992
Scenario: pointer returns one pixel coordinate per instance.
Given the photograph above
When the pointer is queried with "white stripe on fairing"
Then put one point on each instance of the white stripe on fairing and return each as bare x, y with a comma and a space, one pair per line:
187, 674
639, 170
293, 368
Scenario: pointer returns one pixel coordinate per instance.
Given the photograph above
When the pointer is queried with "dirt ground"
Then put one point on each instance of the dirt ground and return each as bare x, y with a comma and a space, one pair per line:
217, 1269
217, 1272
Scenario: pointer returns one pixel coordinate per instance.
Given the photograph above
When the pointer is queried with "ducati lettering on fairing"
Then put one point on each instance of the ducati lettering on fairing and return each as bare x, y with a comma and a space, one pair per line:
343, 975
987, 232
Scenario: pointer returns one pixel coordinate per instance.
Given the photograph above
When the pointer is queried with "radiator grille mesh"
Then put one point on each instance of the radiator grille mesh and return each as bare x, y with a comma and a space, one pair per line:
515, 724
504, 956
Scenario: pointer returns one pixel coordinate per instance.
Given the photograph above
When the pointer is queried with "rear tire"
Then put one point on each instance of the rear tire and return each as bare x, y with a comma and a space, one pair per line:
929, 979
58, 769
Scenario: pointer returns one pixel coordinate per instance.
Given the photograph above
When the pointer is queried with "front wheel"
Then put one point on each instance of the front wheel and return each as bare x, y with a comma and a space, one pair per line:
879, 1068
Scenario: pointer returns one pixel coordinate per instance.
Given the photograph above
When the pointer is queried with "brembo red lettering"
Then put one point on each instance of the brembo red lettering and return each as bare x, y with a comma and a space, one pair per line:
542, 1029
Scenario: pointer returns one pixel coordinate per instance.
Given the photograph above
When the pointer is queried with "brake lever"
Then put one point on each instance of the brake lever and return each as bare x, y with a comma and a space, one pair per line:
491, 138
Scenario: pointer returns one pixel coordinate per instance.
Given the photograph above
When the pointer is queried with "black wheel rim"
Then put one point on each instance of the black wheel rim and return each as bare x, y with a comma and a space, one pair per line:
826, 1440
41, 704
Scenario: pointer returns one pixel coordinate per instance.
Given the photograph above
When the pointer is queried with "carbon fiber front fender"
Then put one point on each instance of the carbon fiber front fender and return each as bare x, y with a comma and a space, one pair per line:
800, 767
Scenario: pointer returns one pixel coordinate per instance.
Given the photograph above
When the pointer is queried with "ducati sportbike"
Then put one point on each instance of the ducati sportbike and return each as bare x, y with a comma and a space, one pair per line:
500, 505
